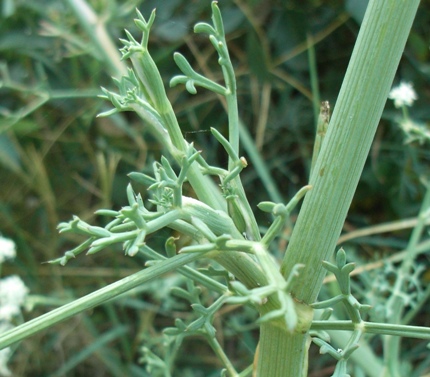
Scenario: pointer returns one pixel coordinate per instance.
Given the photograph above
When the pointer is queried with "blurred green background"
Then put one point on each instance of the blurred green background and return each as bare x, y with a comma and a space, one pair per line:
57, 159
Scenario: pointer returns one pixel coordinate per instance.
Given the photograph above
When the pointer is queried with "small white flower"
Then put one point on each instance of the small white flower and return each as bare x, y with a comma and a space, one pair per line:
7, 249
403, 95
12, 295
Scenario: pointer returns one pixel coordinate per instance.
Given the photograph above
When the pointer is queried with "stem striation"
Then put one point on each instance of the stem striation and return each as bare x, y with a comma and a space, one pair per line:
359, 106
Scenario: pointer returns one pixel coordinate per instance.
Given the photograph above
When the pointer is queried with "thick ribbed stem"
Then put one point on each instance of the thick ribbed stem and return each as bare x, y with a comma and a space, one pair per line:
344, 151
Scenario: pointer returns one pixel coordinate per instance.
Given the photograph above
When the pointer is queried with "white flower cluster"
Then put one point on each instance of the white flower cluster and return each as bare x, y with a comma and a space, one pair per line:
12, 296
403, 95
7, 249
13, 293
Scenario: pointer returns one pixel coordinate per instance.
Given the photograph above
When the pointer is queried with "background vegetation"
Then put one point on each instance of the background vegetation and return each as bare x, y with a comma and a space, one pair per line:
57, 159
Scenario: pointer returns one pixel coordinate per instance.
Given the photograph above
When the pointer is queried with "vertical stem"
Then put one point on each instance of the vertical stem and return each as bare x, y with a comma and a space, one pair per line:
361, 100
233, 115
396, 304
233, 132
313, 72
274, 347
345, 148
259, 165
102, 42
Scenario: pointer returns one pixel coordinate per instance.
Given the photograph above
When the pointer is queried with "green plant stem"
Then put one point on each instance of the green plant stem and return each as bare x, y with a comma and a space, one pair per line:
259, 165
313, 73
233, 133
355, 118
276, 344
189, 272
364, 357
233, 116
219, 351
407, 318
96, 30
417, 233
344, 151
395, 304
93, 299
108, 51
417, 332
